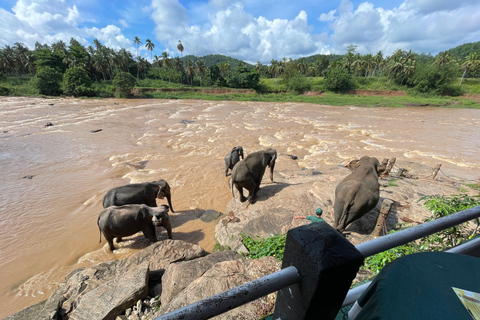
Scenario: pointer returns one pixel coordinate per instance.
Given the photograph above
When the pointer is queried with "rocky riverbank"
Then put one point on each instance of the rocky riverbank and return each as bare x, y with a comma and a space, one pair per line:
171, 273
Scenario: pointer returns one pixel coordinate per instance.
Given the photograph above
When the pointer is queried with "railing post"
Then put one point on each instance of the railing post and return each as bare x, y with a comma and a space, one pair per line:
327, 264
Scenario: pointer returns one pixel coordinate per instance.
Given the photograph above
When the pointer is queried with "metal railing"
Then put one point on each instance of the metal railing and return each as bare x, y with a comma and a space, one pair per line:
250, 291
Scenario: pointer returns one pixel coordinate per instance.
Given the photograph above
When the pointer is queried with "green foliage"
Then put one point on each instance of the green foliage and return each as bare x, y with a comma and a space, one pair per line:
218, 247
47, 81
473, 186
431, 78
338, 80
462, 51
258, 248
242, 77
123, 83
442, 206
4, 91
52, 59
378, 261
76, 83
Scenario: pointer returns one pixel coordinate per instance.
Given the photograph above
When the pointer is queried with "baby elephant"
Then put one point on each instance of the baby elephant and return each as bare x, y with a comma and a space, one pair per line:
122, 221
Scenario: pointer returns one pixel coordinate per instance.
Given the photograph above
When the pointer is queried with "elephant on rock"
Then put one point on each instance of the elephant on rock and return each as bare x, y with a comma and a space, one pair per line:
358, 193
232, 158
248, 173
123, 221
139, 193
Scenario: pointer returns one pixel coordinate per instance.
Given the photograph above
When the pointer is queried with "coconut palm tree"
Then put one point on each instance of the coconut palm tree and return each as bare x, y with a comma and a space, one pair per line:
442, 59
180, 47
190, 70
471, 62
166, 63
150, 46
200, 69
137, 42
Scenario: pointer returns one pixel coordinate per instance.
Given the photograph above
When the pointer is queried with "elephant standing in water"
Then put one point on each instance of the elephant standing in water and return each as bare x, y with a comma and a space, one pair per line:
123, 221
232, 158
248, 173
358, 193
139, 193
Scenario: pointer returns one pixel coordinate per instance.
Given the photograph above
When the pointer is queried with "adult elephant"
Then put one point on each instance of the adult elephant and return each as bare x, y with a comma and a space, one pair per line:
232, 158
248, 173
139, 193
358, 193
122, 221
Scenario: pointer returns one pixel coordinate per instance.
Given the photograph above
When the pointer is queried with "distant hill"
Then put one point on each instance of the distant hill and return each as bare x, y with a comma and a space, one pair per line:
213, 59
462, 51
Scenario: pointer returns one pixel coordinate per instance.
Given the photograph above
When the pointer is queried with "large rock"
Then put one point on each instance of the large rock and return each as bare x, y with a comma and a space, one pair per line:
112, 298
224, 276
179, 275
104, 280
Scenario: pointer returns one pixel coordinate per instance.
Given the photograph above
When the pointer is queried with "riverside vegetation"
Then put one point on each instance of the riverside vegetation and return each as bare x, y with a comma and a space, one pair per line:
405, 78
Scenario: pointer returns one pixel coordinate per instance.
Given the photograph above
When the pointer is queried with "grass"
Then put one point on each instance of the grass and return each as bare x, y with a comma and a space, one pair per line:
273, 90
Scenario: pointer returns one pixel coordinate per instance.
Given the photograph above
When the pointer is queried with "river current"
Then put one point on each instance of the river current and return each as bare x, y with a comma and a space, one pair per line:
53, 178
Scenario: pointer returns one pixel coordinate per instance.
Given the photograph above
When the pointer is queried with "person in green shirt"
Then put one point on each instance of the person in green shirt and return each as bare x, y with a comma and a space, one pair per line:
315, 218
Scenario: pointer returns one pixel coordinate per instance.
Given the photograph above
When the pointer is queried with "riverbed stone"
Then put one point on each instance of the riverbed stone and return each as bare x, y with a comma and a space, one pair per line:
180, 274
224, 276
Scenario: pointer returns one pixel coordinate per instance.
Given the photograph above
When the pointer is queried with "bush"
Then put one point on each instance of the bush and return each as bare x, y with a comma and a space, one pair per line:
338, 80
4, 91
123, 84
242, 77
258, 248
76, 83
430, 78
47, 81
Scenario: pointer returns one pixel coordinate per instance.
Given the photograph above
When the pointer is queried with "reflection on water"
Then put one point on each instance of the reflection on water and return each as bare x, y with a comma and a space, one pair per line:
48, 223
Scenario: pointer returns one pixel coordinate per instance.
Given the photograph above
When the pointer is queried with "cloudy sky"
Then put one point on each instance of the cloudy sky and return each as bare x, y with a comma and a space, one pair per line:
250, 30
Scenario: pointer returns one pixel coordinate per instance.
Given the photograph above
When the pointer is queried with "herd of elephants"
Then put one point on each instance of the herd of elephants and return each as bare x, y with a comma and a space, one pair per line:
132, 208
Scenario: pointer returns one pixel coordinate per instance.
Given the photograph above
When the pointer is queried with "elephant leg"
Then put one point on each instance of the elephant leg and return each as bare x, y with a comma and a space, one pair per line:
110, 241
240, 191
168, 226
252, 188
149, 232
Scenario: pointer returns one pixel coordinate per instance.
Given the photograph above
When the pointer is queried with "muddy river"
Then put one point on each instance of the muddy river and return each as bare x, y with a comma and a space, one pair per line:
53, 178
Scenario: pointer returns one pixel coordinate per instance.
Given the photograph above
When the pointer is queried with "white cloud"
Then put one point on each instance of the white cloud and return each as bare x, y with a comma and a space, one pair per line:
232, 31
327, 16
123, 23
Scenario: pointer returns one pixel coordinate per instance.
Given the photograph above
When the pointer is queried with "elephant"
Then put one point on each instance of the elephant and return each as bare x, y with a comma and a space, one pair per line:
232, 158
139, 193
248, 173
123, 221
358, 193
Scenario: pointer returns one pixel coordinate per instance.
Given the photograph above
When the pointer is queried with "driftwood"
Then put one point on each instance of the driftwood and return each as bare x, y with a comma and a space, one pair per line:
435, 171
382, 217
388, 164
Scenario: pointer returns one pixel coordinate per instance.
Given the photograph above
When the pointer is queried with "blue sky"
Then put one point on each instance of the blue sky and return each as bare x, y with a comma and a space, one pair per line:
249, 30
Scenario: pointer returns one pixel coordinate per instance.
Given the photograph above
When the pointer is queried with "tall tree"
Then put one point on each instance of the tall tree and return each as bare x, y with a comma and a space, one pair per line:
190, 71
201, 69
137, 43
150, 46
166, 63
471, 62
180, 47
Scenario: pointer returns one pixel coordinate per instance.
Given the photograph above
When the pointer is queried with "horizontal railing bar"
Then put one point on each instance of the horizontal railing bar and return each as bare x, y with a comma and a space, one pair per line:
390, 241
235, 297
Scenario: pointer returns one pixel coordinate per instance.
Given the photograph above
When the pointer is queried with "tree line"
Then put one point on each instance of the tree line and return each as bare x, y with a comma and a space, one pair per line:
72, 68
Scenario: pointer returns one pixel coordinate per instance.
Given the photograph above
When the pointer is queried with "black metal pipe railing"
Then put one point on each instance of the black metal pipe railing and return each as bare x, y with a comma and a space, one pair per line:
235, 297
250, 291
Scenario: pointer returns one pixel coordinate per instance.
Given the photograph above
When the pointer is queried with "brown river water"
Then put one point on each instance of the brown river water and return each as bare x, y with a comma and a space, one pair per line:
48, 223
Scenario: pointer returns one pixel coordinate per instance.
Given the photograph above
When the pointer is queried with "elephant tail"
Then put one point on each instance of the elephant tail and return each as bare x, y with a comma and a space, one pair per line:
100, 230
233, 194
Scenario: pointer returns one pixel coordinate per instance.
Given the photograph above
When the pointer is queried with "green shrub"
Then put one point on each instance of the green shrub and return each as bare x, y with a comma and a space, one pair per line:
123, 84
258, 248
76, 83
4, 91
242, 77
47, 81
338, 80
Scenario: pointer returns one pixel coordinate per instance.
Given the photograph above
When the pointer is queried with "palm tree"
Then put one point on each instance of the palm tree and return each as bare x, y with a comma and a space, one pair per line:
201, 69
167, 63
150, 46
137, 42
471, 62
442, 59
180, 47
190, 70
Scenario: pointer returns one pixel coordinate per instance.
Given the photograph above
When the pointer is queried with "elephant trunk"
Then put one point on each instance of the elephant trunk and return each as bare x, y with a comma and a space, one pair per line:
169, 199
